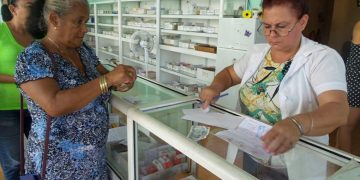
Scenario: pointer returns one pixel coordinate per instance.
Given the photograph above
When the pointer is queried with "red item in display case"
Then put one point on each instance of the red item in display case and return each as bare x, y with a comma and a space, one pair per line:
150, 169
165, 162
179, 158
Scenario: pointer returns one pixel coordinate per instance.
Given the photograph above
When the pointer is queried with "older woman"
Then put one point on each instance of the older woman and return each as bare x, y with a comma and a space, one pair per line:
62, 77
13, 39
295, 84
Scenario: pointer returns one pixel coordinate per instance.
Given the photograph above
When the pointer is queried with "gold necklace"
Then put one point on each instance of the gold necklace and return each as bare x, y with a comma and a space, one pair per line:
289, 59
62, 52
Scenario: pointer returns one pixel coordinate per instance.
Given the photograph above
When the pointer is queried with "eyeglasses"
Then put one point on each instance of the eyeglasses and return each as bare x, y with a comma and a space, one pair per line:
278, 30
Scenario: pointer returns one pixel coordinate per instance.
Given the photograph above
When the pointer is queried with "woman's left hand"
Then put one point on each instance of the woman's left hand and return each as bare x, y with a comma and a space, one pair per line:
281, 137
123, 87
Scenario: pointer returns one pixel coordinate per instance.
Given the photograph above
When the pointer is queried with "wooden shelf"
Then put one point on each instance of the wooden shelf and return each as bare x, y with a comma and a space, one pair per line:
188, 51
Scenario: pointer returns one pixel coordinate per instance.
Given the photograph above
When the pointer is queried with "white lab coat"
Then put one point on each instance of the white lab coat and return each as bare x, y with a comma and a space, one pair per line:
315, 69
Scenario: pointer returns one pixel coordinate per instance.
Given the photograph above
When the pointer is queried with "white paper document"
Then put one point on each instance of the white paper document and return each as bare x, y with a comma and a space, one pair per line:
247, 138
244, 132
246, 141
257, 127
217, 119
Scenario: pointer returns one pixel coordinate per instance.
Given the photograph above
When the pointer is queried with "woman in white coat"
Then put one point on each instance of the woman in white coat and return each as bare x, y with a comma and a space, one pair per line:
294, 83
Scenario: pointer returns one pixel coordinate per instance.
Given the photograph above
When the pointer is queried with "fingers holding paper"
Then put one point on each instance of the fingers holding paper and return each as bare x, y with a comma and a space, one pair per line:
281, 138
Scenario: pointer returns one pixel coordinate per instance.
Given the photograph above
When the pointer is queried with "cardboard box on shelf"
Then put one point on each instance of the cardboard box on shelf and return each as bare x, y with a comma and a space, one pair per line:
206, 48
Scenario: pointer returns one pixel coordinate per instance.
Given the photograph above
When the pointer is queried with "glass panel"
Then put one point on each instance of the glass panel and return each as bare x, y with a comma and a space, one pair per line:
302, 162
142, 94
158, 160
145, 92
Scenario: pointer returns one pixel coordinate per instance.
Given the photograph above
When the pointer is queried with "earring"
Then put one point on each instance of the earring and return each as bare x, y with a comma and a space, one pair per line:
55, 28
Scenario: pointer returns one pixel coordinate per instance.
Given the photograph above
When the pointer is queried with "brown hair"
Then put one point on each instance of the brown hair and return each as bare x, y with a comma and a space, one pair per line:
300, 6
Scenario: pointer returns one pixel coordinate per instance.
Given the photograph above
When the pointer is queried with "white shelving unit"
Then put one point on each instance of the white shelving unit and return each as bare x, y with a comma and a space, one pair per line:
113, 22
134, 18
103, 29
189, 17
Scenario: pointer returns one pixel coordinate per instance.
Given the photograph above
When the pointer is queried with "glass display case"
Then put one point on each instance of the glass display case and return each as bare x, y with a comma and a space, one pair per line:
145, 93
163, 145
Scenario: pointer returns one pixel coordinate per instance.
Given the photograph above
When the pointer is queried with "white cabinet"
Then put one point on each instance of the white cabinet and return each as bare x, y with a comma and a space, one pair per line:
239, 33
236, 36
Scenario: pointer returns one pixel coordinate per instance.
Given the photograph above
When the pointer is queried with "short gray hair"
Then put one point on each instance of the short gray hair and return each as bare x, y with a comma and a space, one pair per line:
61, 7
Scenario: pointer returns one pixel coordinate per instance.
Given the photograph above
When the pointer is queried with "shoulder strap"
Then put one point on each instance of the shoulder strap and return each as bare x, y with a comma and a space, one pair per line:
22, 159
46, 145
47, 134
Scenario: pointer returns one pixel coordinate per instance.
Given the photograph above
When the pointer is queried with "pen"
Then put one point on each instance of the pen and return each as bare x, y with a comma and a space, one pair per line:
220, 96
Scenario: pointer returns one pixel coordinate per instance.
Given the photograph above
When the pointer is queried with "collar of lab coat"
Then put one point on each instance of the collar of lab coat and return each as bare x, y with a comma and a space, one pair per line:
307, 47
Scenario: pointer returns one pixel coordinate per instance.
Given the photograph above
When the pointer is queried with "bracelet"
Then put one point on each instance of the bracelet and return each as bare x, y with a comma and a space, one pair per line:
312, 124
298, 125
103, 85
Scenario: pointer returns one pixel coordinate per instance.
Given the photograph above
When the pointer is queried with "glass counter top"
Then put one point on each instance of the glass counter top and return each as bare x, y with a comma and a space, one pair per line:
156, 155
145, 93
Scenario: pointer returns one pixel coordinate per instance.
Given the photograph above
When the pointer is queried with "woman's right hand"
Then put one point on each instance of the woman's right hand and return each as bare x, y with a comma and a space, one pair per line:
122, 77
207, 96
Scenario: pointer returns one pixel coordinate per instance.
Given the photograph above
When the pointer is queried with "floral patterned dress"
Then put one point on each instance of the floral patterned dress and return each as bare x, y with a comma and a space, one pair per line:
353, 76
259, 95
77, 140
